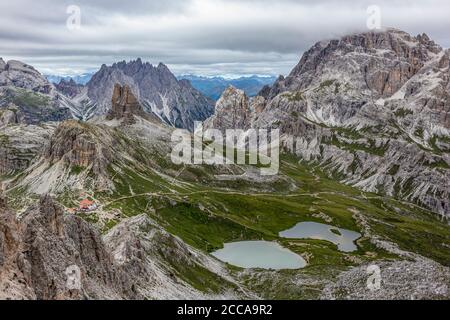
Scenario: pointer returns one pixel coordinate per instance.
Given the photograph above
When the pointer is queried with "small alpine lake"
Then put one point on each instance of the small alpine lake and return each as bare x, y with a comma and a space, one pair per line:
259, 254
343, 238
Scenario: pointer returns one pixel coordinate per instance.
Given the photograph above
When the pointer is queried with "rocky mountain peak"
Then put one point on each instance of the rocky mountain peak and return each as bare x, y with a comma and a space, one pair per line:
124, 104
18, 74
400, 42
69, 87
380, 61
28, 97
425, 40
133, 66
232, 111
233, 91
395, 84
445, 60
163, 67
156, 89
70, 81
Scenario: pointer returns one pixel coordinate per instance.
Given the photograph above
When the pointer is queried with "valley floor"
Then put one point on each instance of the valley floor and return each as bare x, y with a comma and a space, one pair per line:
409, 244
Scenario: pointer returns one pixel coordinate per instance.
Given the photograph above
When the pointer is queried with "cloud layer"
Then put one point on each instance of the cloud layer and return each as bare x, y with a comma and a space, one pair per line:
209, 37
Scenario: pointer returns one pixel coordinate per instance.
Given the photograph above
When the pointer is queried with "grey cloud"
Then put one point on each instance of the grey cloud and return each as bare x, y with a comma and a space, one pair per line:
198, 36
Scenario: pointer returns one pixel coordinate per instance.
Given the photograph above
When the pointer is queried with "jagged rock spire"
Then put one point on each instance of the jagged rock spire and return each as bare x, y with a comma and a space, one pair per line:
124, 104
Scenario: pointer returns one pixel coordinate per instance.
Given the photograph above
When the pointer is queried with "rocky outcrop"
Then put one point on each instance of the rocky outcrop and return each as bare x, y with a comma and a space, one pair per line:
380, 62
124, 105
414, 277
157, 261
39, 251
21, 145
24, 91
158, 91
137, 259
69, 88
18, 74
232, 111
77, 145
8, 116
400, 280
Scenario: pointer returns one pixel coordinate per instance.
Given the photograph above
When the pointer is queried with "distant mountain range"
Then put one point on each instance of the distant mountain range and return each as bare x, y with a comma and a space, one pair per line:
79, 79
175, 102
213, 87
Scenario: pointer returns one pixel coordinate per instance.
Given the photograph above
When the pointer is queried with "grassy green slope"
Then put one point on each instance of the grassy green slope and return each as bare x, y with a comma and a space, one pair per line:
206, 217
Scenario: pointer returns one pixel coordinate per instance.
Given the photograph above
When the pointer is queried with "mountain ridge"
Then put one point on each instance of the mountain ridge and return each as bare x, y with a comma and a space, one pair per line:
344, 106
156, 88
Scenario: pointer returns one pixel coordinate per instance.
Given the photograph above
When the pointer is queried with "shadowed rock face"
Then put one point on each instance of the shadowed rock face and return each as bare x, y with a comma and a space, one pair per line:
20, 148
8, 233
36, 251
124, 104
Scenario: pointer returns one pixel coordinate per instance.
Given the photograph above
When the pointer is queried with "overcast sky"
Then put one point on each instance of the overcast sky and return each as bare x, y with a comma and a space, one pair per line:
207, 37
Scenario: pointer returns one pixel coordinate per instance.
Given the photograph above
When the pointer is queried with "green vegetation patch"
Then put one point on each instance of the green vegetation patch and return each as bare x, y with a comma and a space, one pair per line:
294, 96
30, 99
401, 112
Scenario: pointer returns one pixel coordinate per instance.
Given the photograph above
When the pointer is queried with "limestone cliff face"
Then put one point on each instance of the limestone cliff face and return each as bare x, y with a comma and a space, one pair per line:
36, 251
18, 74
373, 107
377, 61
21, 145
137, 259
73, 144
232, 111
124, 104
75, 154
